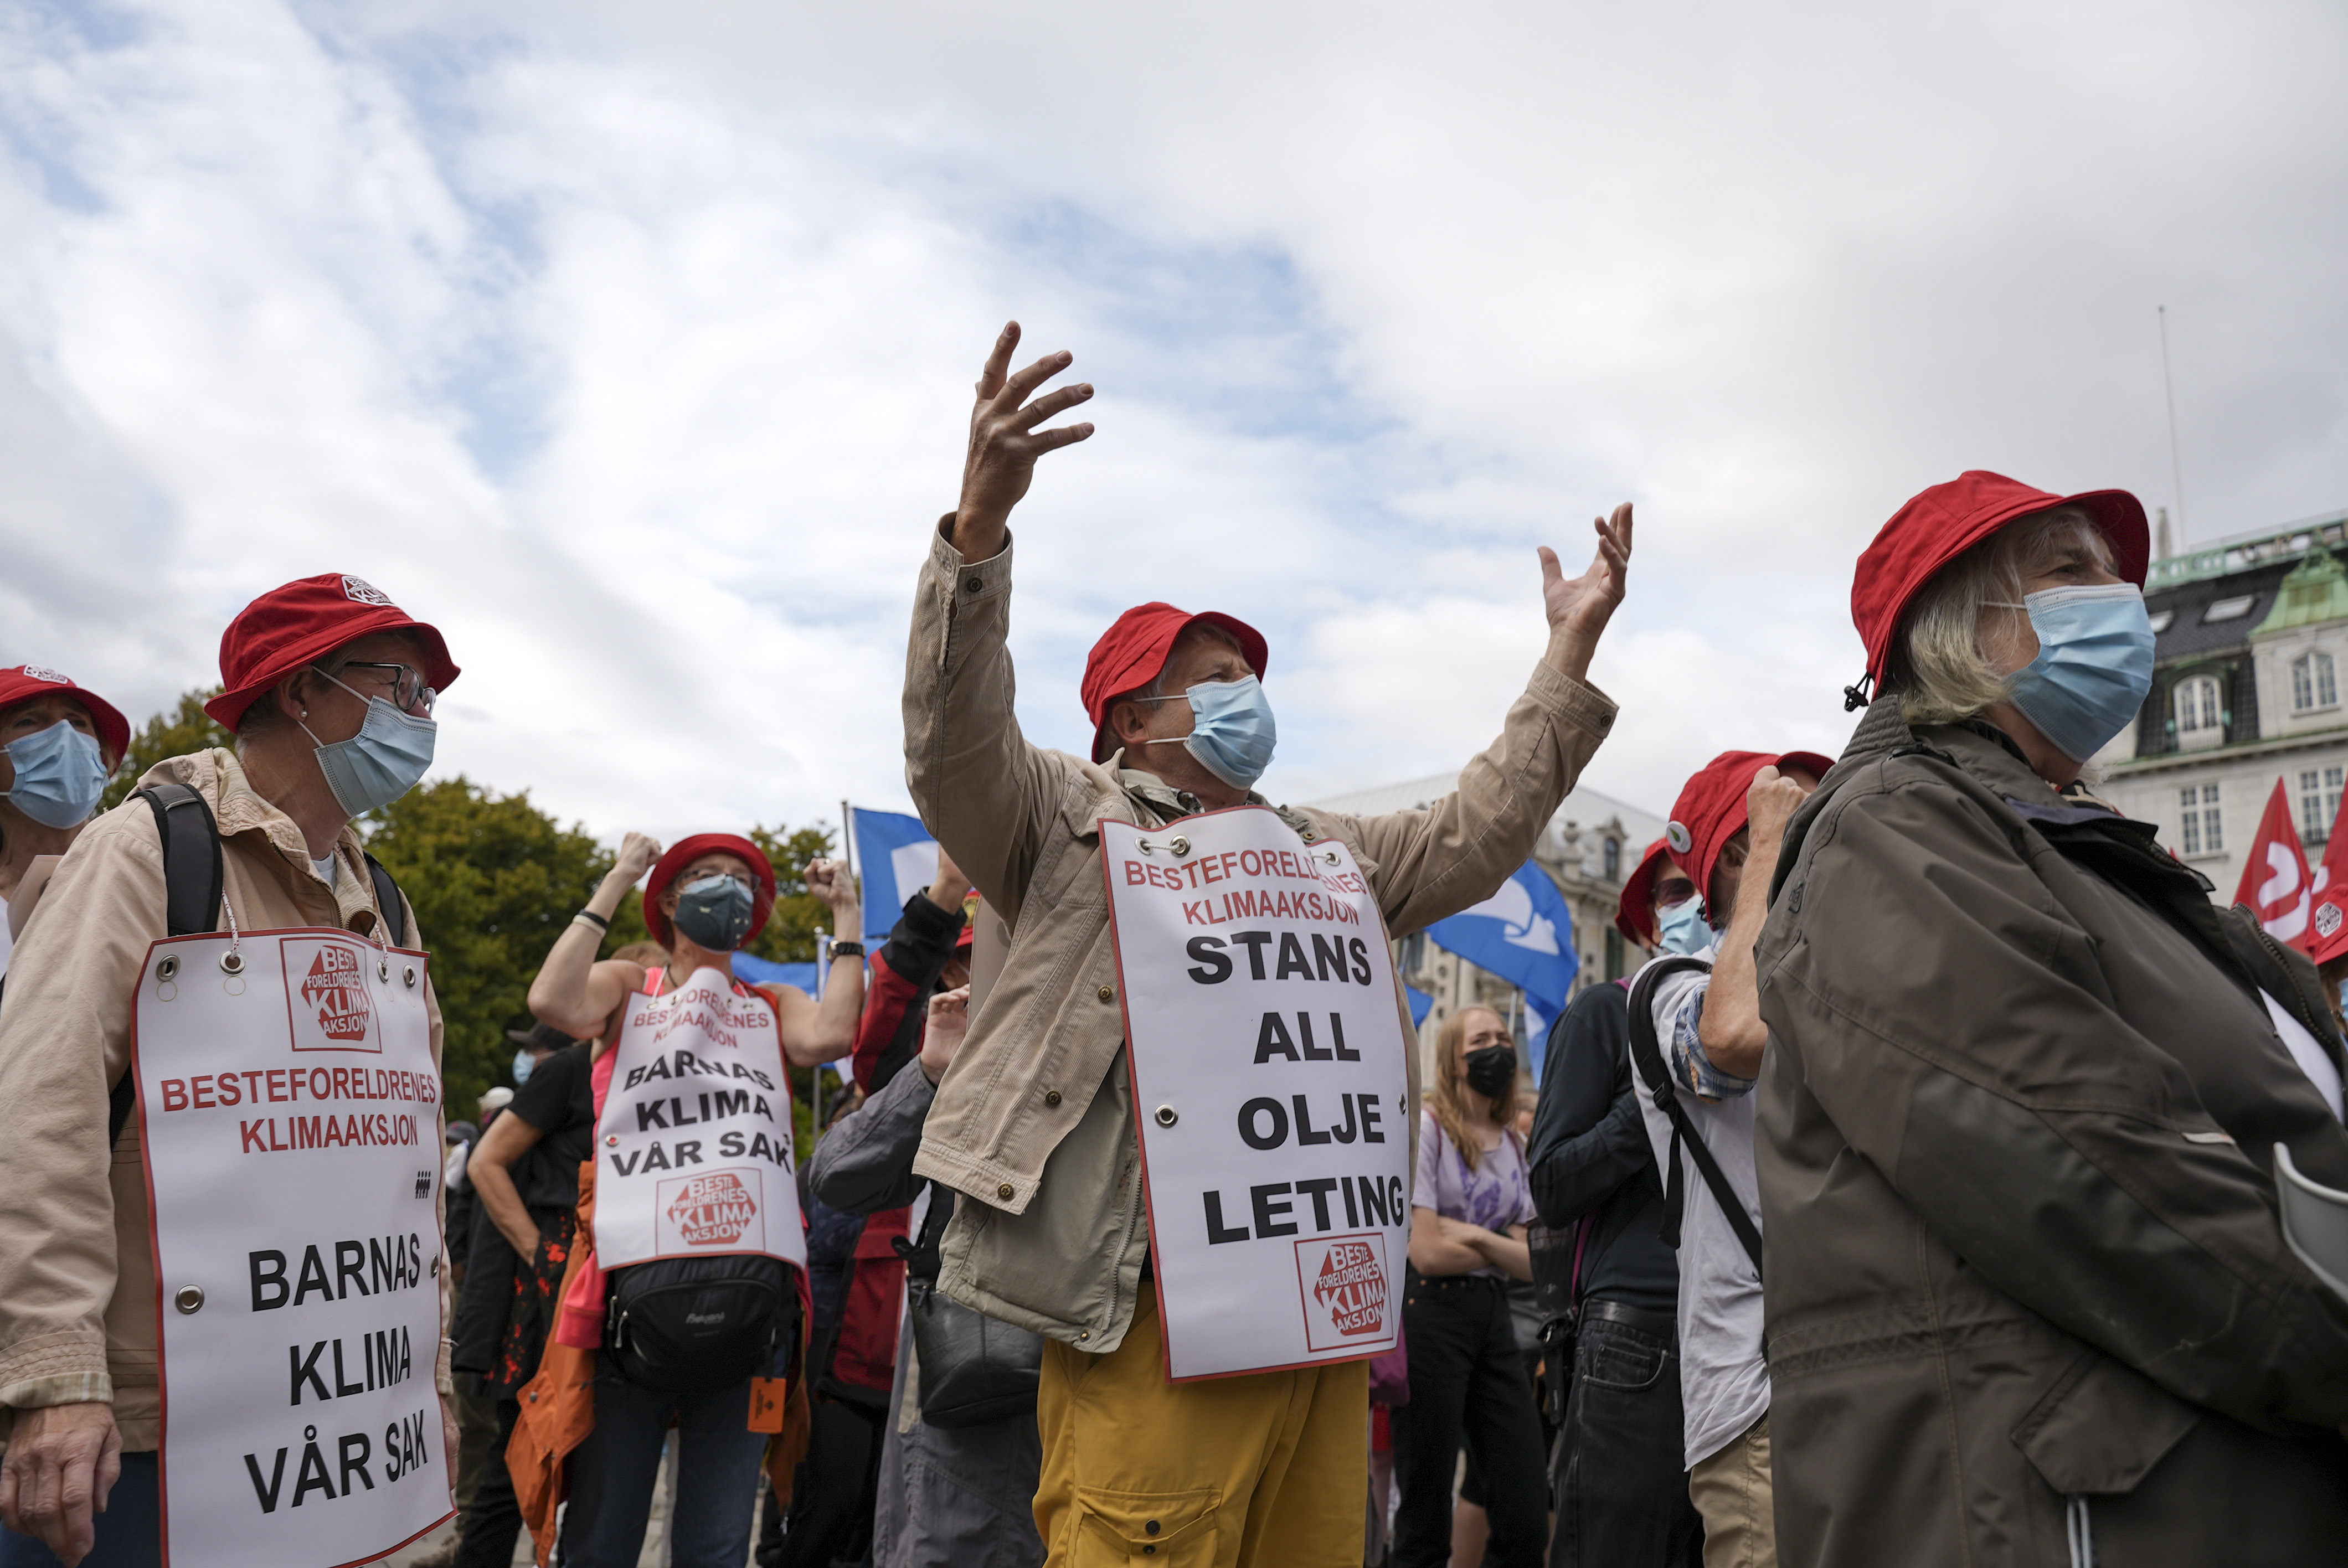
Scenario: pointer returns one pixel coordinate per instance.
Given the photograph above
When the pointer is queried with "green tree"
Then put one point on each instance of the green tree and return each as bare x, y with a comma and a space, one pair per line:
175, 733
494, 881
790, 933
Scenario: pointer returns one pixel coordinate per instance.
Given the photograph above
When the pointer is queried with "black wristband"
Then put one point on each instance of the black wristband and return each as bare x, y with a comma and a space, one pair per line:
848, 950
601, 923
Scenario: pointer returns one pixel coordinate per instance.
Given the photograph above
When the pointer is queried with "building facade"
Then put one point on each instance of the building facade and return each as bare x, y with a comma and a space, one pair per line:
2251, 652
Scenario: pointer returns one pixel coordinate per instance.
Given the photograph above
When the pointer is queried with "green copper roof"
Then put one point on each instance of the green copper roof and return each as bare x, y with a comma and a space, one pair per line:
2316, 591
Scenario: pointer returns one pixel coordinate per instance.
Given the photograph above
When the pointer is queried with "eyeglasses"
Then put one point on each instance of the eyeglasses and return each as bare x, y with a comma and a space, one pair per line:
407, 687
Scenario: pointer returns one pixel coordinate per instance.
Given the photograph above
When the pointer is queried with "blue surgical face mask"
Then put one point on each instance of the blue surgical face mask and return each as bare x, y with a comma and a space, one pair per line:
523, 1062
381, 762
715, 911
1231, 731
2094, 667
1680, 928
59, 776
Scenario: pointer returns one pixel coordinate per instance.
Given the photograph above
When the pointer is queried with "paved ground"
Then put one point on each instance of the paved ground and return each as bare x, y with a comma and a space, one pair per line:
656, 1552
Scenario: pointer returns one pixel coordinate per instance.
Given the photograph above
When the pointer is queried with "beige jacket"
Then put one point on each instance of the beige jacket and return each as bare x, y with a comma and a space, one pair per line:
1040, 1085
76, 1273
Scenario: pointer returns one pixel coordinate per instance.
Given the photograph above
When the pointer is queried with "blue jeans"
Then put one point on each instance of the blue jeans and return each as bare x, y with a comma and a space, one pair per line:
1620, 1467
129, 1532
613, 1473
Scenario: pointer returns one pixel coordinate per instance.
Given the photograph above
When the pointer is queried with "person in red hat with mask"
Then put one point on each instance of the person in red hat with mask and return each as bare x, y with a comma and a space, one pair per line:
2020, 1111
329, 687
59, 744
707, 895
1617, 1474
1034, 1125
1696, 1045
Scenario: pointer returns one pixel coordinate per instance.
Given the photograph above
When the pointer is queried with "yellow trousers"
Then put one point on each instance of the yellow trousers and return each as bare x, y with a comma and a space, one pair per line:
1266, 1470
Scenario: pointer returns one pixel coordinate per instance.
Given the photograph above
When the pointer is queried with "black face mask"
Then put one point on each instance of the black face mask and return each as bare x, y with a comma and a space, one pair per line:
714, 911
1492, 1071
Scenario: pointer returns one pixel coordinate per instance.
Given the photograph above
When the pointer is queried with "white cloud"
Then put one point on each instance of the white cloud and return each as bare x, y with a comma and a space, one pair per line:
633, 345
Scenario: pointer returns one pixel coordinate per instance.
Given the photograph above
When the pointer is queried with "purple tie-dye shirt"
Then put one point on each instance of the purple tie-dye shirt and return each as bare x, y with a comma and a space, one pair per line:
1495, 1195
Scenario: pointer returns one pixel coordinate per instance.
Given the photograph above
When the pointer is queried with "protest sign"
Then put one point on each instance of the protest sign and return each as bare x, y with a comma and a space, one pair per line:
290, 1127
1269, 1073
694, 1144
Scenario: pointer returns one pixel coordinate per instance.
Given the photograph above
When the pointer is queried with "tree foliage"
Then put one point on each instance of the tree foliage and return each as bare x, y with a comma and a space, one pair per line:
174, 733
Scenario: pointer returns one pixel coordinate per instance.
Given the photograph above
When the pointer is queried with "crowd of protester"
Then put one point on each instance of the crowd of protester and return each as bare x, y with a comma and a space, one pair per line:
1915, 1202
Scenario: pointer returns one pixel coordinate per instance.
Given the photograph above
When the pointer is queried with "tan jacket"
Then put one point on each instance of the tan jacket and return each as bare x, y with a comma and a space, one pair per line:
1041, 1082
76, 1273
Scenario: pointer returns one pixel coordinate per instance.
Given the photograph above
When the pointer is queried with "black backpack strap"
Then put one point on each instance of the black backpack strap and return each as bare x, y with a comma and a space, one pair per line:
191, 893
1646, 1055
387, 899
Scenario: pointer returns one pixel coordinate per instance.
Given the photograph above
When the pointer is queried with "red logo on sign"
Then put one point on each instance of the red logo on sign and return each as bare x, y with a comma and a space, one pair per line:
334, 990
714, 1211
1352, 1289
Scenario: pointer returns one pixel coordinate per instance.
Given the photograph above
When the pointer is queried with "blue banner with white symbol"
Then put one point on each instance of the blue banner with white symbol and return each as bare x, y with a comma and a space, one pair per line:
896, 857
1524, 934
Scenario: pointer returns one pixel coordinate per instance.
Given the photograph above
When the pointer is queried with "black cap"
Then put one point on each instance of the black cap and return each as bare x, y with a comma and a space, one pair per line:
540, 1037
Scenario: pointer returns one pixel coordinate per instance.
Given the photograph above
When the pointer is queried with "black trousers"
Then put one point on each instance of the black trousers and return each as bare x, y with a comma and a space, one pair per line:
493, 1522
1468, 1385
830, 1514
1621, 1487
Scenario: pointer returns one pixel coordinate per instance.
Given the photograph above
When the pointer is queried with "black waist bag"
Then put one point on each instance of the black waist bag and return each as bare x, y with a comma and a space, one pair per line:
692, 1325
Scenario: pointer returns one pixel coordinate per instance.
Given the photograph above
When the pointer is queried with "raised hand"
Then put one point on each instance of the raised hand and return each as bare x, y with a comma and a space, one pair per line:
1005, 442
949, 1020
1580, 606
638, 852
1769, 804
828, 880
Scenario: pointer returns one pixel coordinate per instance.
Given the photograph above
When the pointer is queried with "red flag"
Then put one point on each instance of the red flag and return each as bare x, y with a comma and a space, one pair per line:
2327, 934
2275, 881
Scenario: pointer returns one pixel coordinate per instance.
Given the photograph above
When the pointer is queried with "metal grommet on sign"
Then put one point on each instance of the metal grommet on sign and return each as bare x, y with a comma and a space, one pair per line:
232, 962
167, 967
1330, 856
1180, 845
1167, 1116
409, 976
610, 1139
1144, 846
383, 970
188, 1298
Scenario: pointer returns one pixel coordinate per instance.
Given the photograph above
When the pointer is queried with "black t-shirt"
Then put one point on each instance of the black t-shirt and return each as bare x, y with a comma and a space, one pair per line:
559, 1102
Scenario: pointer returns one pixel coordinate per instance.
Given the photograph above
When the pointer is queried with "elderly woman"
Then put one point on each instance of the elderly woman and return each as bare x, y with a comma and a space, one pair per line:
2027, 1300
58, 745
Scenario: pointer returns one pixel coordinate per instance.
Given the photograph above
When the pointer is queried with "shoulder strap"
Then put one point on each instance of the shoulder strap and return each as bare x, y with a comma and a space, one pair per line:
387, 899
191, 893
1646, 1055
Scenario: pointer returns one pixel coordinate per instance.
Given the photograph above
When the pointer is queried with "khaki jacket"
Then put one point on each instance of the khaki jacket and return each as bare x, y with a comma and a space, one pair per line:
76, 1273
1040, 1085
2016, 1127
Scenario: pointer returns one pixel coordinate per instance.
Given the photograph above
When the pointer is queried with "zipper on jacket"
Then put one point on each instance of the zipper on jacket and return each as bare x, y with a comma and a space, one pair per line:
2079, 1530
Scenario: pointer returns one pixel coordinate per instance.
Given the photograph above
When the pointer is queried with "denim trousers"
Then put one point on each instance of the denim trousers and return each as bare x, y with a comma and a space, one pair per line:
1468, 1385
1621, 1487
613, 1474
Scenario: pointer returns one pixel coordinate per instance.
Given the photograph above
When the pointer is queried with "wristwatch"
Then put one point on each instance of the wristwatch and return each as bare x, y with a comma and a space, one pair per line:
848, 950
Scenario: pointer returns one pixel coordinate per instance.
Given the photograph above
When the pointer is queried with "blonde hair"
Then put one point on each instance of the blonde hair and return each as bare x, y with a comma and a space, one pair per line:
1446, 1098
1936, 666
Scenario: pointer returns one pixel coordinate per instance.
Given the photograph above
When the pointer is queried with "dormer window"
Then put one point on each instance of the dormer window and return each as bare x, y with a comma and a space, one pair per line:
2232, 609
1613, 858
2314, 682
2200, 717
2162, 620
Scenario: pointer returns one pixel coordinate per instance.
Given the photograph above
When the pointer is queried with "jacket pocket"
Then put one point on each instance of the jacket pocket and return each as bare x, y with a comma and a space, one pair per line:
1162, 1529
2101, 1428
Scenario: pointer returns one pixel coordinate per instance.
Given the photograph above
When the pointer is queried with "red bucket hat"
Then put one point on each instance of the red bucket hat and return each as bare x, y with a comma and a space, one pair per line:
1711, 809
24, 682
1634, 912
304, 621
1943, 522
683, 853
1132, 652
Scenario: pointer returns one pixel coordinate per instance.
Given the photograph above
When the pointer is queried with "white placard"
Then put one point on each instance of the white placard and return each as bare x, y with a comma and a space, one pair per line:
694, 1146
290, 1117
1271, 1090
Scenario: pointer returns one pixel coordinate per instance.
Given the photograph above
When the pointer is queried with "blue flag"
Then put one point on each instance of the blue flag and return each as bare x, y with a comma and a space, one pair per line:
757, 971
897, 858
1524, 934
1420, 1005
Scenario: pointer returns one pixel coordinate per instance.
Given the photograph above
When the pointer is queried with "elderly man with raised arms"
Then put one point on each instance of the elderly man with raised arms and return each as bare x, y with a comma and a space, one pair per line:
1035, 1118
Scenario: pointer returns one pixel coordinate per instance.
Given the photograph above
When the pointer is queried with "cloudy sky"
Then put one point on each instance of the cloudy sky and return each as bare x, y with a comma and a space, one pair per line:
632, 343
